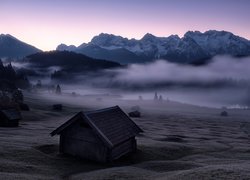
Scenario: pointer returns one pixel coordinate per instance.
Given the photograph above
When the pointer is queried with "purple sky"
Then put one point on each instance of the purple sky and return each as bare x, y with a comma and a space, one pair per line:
47, 23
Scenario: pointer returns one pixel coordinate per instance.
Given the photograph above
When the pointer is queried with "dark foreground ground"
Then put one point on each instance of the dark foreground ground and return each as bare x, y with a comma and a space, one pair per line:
180, 142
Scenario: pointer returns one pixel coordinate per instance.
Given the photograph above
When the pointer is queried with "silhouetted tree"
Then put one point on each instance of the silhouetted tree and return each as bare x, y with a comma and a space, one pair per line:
248, 96
17, 96
160, 98
23, 82
58, 89
10, 72
4, 98
156, 97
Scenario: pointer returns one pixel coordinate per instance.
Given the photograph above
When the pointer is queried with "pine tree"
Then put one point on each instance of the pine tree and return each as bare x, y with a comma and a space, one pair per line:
58, 89
156, 97
248, 97
160, 98
17, 96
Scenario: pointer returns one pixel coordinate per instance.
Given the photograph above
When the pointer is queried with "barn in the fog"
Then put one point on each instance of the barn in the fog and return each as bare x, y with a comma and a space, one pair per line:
9, 117
102, 135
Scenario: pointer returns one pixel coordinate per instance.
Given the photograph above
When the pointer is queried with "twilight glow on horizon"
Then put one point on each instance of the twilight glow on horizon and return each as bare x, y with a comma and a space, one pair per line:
48, 23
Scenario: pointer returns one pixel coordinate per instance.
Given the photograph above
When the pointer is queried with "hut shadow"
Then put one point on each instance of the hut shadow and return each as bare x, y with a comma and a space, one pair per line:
143, 154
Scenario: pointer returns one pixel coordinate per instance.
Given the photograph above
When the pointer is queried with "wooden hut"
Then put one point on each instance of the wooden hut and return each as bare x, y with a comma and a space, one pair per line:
9, 118
102, 135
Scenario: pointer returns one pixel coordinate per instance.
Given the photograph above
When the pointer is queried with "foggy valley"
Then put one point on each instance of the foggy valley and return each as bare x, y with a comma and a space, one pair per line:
125, 90
222, 82
186, 117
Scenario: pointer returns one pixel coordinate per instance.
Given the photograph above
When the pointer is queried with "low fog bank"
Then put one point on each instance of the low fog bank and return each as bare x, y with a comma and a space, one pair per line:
220, 72
225, 81
196, 96
221, 69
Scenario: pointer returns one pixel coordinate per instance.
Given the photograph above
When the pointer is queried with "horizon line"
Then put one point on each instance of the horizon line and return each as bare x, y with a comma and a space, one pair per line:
129, 38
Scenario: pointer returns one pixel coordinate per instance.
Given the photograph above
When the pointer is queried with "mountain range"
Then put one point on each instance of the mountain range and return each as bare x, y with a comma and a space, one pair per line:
193, 47
11, 47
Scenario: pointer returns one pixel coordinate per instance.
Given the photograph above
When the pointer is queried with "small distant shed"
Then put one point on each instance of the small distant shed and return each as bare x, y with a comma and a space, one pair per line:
136, 114
102, 135
224, 113
9, 118
23, 107
57, 107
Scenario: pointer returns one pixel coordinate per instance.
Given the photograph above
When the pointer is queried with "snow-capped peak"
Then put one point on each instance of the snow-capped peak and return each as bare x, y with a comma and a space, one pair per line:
106, 40
148, 37
194, 45
220, 42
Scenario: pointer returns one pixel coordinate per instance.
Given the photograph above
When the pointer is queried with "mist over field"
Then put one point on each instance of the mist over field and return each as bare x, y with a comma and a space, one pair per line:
222, 82
220, 68
125, 90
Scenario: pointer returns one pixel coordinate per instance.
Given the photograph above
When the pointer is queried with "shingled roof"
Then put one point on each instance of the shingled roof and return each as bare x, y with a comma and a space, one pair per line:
112, 125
